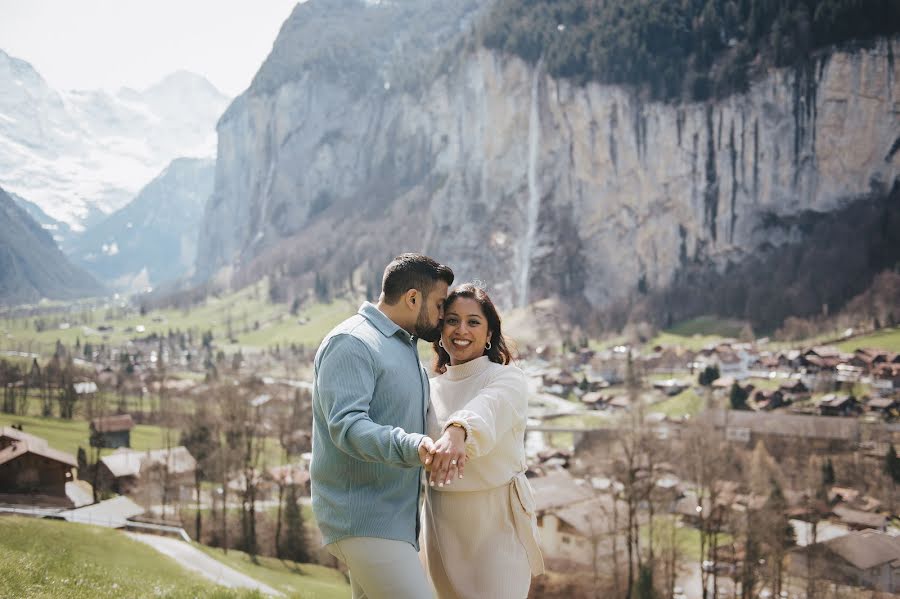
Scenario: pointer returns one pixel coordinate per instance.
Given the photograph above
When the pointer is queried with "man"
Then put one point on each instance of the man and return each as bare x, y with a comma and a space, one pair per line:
370, 397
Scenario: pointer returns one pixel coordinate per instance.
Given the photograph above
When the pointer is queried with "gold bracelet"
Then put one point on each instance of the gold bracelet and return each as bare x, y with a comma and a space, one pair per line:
458, 425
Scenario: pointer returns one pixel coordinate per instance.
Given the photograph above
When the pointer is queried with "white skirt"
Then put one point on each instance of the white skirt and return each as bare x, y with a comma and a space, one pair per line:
481, 544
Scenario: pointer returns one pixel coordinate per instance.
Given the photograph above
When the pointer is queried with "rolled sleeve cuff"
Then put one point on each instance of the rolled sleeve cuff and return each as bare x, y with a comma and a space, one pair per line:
412, 447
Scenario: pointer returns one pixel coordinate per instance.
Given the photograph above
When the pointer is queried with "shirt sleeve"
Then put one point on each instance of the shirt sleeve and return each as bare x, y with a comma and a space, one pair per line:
345, 383
497, 408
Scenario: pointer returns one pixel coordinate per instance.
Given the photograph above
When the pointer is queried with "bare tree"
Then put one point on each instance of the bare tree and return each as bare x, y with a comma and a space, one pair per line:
670, 552
637, 469
704, 467
243, 449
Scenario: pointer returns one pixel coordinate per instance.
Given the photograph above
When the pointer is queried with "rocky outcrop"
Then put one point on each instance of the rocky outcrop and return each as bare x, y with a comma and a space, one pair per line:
538, 186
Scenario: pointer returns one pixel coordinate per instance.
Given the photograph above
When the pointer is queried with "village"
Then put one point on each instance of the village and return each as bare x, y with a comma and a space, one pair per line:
736, 469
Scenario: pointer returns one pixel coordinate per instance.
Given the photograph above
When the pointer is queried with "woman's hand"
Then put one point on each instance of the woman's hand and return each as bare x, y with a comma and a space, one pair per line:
448, 456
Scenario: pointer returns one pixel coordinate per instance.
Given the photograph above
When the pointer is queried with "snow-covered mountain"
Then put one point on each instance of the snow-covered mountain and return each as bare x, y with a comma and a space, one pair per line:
60, 231
80, 155
153, 238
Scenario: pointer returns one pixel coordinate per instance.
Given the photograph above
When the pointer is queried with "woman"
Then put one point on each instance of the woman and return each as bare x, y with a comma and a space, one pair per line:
480, 531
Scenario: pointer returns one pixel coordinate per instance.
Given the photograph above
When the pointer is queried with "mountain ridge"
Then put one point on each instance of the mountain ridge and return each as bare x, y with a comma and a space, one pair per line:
151, 239
32, 267
78, 152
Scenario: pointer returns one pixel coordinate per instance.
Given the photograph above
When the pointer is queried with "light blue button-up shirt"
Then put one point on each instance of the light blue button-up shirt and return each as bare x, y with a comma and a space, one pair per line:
370, 398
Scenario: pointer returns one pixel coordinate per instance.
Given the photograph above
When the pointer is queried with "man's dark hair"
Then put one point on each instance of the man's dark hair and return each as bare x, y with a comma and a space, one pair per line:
412, 271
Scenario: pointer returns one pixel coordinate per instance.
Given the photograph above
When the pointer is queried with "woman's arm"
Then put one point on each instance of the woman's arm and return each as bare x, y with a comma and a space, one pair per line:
473, 430
498, 407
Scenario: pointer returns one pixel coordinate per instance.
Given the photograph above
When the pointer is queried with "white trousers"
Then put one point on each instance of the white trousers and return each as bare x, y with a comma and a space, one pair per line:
382, 568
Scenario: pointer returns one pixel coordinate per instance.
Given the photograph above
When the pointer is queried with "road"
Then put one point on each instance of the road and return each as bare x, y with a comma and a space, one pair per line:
194, 559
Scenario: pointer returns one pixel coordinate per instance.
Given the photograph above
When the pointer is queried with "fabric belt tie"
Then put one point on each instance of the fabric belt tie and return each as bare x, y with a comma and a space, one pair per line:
521, 498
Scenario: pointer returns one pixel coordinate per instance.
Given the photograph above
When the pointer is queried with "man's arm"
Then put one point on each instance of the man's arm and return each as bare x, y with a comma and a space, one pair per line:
345, 381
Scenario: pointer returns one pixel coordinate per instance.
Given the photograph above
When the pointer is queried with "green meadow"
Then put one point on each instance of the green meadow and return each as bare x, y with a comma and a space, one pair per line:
53, 559
243, 319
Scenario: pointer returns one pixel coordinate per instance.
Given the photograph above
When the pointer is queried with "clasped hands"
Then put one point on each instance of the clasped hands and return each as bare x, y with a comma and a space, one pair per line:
444, 459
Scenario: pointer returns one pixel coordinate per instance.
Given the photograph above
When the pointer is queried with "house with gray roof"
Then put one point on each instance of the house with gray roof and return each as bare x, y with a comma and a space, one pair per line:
868, 558
814, 432
149, 476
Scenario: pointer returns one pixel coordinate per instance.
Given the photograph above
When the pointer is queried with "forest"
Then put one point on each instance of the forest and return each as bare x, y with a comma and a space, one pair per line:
674, 50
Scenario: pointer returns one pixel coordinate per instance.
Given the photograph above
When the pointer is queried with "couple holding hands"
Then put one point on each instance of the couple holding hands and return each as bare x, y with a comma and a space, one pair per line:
378, 420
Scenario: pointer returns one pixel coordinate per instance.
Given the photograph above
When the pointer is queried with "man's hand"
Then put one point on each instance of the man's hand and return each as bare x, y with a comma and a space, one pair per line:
426, 448
448, 456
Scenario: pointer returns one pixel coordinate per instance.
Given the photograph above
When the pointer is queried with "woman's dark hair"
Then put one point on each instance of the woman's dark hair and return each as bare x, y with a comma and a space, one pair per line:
499, 351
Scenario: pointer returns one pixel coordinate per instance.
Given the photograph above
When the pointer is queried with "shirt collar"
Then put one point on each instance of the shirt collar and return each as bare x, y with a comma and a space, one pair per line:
380, 320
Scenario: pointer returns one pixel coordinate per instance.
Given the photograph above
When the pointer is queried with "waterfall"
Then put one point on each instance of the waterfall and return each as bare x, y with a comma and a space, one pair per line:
534, 192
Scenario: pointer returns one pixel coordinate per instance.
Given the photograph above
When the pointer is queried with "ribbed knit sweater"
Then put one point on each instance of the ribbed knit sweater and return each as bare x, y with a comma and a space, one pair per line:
490, 400
370, 396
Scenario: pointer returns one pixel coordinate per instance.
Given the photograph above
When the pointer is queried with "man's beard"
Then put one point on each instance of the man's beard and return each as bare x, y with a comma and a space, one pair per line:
424, 329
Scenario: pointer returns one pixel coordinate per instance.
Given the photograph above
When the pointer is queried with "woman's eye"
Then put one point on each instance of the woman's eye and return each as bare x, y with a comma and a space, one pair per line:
450, 321
474, 323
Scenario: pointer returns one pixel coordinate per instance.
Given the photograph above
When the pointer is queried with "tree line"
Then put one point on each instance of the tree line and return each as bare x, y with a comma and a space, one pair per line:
684, 49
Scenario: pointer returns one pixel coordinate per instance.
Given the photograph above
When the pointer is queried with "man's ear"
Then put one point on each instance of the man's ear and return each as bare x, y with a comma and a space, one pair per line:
413, 299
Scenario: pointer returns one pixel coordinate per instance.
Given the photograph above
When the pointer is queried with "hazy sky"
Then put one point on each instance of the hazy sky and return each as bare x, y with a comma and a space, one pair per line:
88, 44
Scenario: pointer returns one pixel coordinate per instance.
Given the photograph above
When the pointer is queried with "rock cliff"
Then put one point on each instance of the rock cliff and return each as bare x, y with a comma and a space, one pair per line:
536, 186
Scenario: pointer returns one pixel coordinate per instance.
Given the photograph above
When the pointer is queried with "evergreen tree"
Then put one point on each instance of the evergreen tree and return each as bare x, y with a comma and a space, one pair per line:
584, 385
322, 288
828, 473
82, 462
892, 464
738, 397
643, 589
694, 49
294, 546
200, 441
709, 374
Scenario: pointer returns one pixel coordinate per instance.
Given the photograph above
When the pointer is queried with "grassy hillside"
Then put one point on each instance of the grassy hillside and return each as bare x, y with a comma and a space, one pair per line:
308, 581
687, 403
699, 332
244, 318
46, 559
888, 339
68, 435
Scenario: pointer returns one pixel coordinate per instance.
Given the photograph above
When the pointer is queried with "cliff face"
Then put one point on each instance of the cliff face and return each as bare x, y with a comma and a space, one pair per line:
538, 186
